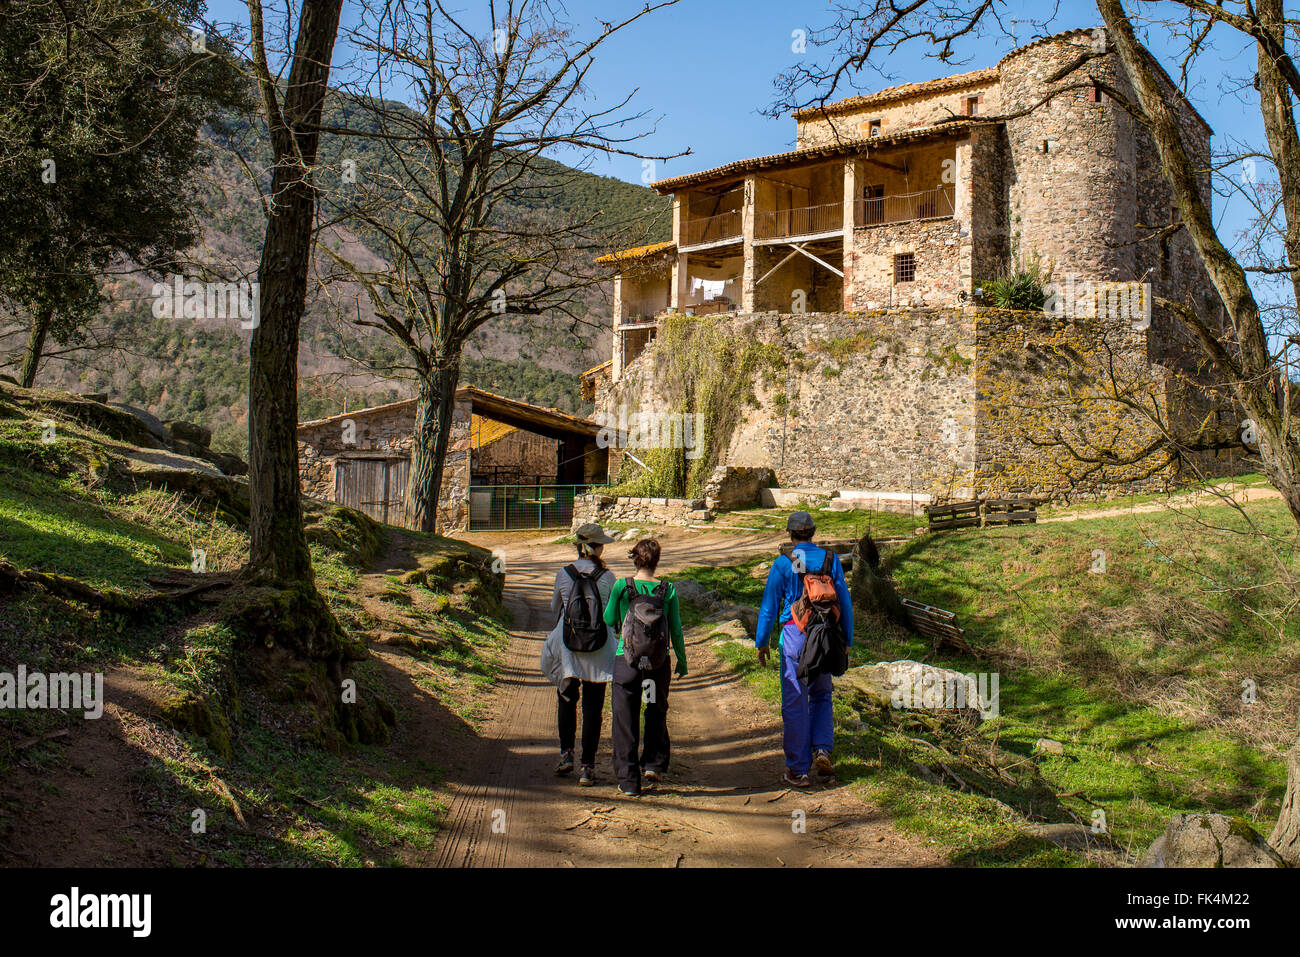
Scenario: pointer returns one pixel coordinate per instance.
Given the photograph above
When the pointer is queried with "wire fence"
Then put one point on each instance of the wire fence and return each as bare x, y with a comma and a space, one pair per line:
513, 507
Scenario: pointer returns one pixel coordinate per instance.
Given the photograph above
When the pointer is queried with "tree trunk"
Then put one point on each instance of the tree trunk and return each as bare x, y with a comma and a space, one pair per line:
433, 411
1286, 835
41, 323
871, 589
278, 547
1251, 372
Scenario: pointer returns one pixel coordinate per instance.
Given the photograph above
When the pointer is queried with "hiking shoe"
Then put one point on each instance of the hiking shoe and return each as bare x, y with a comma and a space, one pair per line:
795, 780
822, 762
651, 775
588, 776
626, 793
566, 763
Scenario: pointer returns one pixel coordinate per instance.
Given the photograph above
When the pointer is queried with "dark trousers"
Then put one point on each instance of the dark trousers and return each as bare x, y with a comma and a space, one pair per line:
593, 705
629, 692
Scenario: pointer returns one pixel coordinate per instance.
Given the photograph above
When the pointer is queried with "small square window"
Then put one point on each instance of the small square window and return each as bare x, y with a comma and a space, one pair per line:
905, 267
873, 128
972, 105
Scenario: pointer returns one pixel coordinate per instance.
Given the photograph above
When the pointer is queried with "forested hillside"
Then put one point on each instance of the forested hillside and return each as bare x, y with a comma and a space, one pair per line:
197, 368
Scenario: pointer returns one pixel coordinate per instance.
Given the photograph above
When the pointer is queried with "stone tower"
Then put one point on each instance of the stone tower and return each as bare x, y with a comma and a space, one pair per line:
1072, 194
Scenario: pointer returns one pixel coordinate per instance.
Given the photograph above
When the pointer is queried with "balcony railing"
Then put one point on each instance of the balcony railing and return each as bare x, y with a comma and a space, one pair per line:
904, 207
804, 221
712, 229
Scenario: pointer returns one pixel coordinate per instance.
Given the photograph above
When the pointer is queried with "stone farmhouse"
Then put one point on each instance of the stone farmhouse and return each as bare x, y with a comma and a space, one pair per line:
505, 461
878, 229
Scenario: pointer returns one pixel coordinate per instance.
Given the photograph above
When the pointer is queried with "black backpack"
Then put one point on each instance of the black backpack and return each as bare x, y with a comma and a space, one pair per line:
824, 650
645, 627
584, 623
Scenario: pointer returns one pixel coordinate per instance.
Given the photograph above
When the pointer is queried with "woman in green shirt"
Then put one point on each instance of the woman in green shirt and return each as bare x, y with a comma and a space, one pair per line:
645, 679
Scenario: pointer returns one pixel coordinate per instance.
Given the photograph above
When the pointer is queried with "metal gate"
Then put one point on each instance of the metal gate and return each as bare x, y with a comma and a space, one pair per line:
375, 486
509, 507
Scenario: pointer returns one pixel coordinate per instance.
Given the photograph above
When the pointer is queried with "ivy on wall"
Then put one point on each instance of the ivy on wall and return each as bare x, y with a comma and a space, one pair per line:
709, 369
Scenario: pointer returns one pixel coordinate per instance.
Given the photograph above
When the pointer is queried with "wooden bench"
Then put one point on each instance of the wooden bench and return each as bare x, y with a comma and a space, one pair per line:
840, 546
938, 625
954, 515
980, 513
1010, 511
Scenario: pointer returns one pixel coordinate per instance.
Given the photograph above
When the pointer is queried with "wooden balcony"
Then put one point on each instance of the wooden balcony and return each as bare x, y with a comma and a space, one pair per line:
904, 207
707, 230
822, 220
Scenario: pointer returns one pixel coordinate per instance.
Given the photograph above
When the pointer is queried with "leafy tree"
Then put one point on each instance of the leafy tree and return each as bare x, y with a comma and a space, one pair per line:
100, 105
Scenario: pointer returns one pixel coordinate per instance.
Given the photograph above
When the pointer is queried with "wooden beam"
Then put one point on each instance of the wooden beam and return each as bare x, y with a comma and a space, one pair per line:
775, 268
820, 262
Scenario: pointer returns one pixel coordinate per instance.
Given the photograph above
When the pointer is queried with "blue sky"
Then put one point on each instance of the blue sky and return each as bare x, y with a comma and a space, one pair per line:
707, 68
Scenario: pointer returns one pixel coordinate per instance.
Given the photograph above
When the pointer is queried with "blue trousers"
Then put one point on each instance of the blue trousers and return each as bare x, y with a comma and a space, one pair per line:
805, 709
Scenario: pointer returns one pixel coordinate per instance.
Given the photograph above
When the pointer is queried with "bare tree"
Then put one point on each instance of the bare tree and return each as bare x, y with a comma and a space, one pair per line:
468, 208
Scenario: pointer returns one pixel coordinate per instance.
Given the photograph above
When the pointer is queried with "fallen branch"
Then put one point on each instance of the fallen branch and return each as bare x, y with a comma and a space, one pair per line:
47, 736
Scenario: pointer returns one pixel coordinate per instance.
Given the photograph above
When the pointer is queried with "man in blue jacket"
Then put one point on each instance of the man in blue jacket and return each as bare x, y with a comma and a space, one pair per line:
805, 708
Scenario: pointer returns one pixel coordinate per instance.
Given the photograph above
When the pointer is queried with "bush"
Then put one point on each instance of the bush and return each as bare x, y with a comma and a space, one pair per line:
1021, 288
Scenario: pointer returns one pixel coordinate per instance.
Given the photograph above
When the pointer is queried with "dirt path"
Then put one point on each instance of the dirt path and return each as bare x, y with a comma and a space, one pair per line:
721, 805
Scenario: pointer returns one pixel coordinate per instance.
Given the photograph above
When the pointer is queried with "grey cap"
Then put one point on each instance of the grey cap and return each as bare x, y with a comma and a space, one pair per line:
592, 534
798, 521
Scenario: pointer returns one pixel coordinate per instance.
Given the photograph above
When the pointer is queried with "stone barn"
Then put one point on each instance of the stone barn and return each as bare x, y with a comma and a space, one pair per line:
509, 464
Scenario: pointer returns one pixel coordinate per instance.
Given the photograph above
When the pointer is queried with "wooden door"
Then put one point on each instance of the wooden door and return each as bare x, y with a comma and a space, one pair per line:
376, 487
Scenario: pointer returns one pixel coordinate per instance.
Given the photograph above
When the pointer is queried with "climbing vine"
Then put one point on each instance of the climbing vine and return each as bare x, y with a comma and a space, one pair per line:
709, 367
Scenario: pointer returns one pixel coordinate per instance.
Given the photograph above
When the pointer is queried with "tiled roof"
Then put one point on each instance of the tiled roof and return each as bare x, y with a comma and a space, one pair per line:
1079, 32
523, 415
636, 252
483, 432
905, 91
809, 153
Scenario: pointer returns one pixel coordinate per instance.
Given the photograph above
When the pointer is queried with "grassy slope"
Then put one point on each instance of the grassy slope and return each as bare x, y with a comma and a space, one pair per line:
1138, 671
303, 804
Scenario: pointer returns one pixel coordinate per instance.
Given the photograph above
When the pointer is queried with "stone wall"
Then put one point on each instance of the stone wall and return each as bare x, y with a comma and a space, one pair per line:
731, 487
1042, 395
939, 402
602, 509
525, 453
385, 430
936, 246
898, 113
872, 401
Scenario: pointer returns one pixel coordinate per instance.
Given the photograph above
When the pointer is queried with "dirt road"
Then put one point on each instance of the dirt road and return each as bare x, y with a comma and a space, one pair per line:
722, 804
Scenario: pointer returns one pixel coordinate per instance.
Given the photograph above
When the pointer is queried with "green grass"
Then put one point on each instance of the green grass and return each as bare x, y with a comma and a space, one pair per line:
1138, 671
63, 512
852, 523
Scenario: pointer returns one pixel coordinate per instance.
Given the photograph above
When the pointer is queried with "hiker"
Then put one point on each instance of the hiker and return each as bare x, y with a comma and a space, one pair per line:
645, 612
808, 599
578, 655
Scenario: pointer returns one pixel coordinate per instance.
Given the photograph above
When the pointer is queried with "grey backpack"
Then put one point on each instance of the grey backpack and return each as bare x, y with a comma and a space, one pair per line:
645, 627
